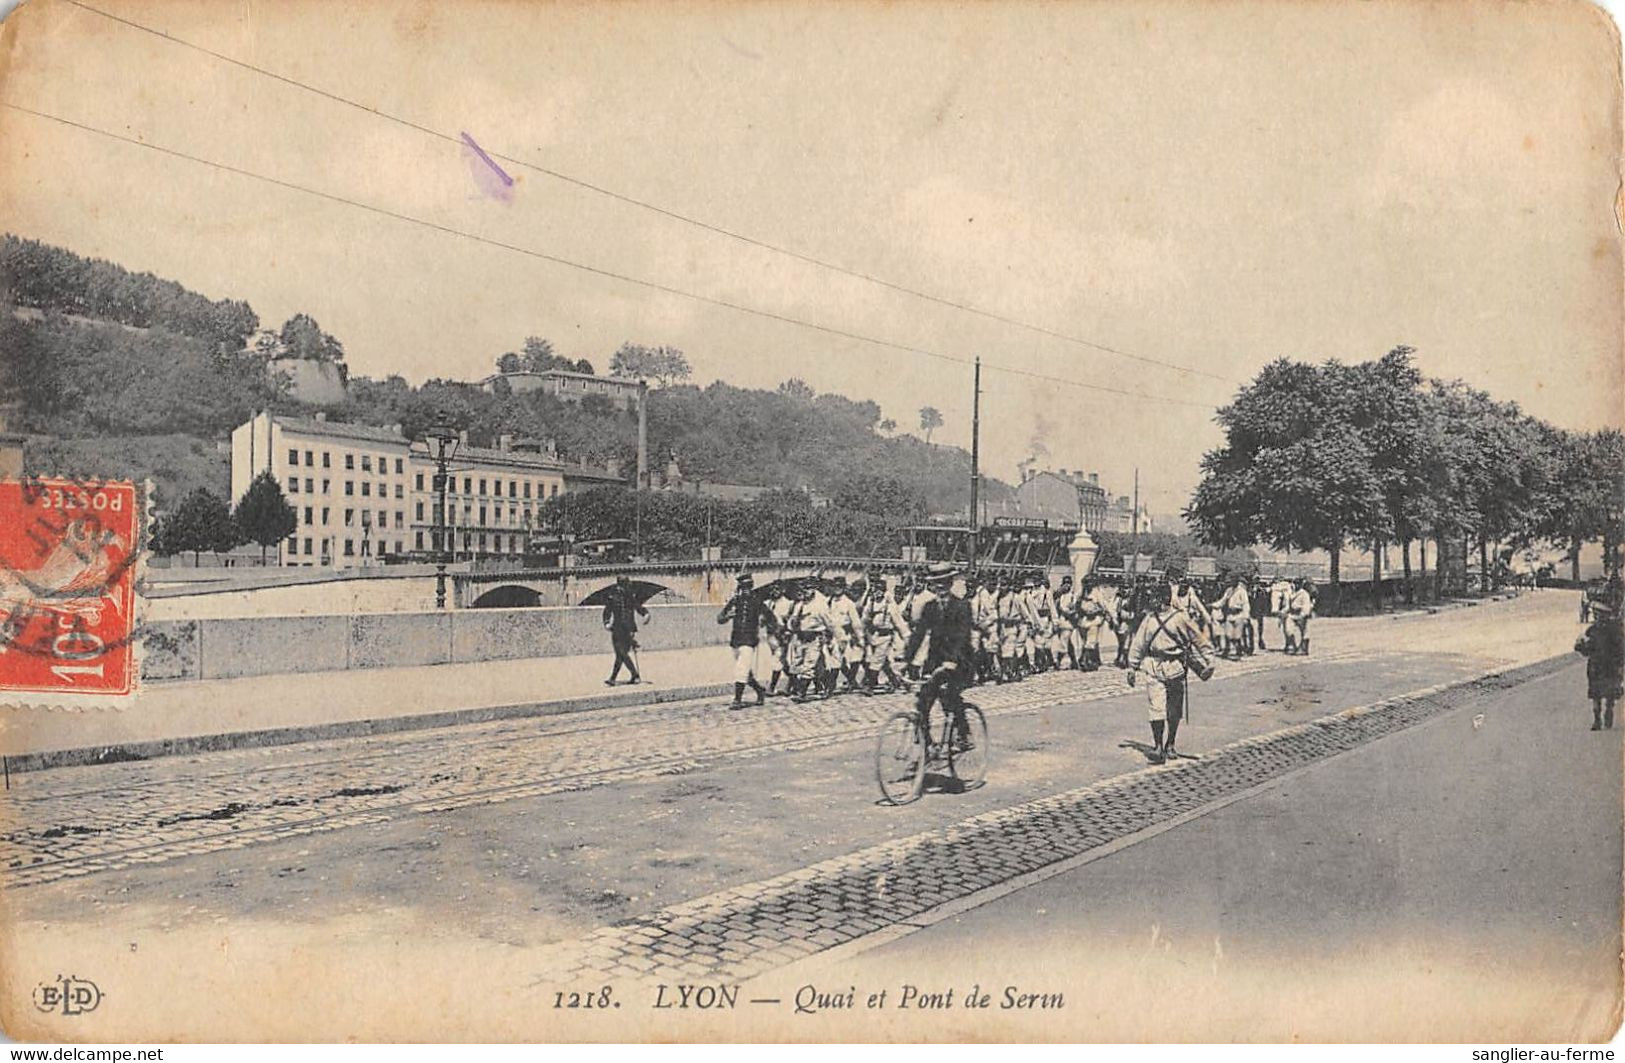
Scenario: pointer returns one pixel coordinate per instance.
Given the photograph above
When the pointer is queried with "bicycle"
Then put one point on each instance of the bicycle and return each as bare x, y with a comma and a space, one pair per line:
905, 753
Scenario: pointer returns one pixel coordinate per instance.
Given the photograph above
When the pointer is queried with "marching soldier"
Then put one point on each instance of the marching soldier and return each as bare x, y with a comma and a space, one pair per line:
809, 628
1068, 638
881, 622
749, 615
1280, 597
1096, 610
849, 641
1012, 613
1130, 611
985, 615
778, 637
900, 598
1165, 646
1041, 635
1235, 607
1259, 612
918, 597
1300, 607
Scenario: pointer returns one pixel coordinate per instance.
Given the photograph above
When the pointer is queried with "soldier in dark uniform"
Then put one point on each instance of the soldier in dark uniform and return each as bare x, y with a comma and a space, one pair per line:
949, 660
1260, 611
1603, 645
749, 614
621, 614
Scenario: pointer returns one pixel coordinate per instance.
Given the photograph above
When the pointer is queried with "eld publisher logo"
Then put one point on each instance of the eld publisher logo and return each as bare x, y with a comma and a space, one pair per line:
70, 995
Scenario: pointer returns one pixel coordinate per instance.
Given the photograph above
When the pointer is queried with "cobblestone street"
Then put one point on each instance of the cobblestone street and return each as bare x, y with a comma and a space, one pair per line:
687, 840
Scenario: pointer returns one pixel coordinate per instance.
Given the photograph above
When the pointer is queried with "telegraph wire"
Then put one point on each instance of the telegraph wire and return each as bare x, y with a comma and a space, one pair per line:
595, 270
655, 208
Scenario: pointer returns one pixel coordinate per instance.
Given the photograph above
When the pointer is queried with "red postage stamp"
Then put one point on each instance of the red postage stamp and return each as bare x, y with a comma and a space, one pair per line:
68, 552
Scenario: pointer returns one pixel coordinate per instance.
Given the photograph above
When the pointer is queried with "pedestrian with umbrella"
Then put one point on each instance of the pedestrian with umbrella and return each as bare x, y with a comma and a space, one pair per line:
622, 607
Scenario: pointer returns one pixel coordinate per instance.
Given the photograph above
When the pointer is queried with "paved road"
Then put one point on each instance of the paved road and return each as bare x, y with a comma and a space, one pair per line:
533, 855
1459, 881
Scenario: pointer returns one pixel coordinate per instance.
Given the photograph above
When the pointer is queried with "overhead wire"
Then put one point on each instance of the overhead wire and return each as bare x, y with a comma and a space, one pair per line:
585, 267
462, 139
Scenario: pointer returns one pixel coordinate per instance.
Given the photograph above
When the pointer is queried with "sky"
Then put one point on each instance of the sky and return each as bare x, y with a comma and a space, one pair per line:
1207, 186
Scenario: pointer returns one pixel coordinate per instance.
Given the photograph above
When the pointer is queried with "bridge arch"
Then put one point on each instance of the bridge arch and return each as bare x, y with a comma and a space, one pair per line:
509, 596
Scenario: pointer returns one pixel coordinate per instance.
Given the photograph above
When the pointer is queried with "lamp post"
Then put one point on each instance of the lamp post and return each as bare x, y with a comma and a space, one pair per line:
442, 443
366, 538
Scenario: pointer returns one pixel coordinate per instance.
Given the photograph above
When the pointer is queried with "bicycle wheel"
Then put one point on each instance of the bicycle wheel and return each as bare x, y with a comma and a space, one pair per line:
969, 765
900, 758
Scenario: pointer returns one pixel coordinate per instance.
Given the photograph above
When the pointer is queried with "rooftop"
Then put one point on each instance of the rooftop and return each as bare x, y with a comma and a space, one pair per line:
339, 429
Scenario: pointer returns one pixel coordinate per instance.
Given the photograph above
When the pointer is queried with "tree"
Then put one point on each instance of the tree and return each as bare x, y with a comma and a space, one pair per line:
509, 362
930, 421
263, 514
538, 356
888, 426
301, 337
797, 388
201, 522
663, 365
584, 366
1295, 470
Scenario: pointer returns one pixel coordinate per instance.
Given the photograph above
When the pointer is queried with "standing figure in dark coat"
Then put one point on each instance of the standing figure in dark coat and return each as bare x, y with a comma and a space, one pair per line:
621, 614
1604, 647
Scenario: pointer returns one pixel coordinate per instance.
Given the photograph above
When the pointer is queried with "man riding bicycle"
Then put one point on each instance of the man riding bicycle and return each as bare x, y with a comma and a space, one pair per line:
949, 663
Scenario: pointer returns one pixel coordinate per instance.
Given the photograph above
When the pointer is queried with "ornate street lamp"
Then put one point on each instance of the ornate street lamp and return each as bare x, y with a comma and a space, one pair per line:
442, 443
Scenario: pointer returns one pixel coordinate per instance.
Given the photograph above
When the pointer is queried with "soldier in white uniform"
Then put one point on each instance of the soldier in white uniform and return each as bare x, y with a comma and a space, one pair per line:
1164, 647
809, 629
1235, 609
1069, 610
984, 609
848, 641
882, 620
1299, 608
1012, 610
778, 637
1280, 595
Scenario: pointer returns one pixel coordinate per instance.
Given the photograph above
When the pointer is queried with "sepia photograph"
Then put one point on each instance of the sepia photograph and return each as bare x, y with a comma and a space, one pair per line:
728, 522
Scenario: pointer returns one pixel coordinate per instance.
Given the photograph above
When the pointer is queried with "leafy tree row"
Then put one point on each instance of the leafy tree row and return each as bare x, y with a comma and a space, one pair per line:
43, 277
203, 522
1321, 456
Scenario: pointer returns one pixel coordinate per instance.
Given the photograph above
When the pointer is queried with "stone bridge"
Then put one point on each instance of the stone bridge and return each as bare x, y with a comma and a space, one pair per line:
685, 581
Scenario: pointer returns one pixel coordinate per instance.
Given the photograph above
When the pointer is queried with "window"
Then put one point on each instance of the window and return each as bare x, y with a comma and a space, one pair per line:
327, 459
399, 467
349, 517
366, 488
349, 548
496, 487
308, 463
308, 515
527, 488
419, 540
310, 487
325, 512
482, 487
482, 518
553, 492
383, 490
309, 543
366, 463
513, 489
400, 492
383, 518
418, 486
468, 485
400, 547
420, 511
400, 519
349, 487
349, 461
293, 485
528, 515
327, 486
293, 457
482, 542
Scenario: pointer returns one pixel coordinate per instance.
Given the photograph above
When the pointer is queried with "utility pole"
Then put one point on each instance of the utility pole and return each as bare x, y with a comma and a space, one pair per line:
975, 466
1134, 527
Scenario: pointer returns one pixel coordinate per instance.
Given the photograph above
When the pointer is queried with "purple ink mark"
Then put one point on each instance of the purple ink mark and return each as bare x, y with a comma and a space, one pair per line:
492, 179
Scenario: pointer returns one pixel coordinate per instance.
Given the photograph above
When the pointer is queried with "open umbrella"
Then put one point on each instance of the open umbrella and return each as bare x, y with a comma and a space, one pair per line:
639, 591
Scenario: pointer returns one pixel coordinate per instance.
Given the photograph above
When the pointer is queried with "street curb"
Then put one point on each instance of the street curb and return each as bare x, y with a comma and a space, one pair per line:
279, 736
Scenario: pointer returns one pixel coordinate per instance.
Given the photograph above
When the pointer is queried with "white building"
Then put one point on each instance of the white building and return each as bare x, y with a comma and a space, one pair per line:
347, 484
361, 493
568, 386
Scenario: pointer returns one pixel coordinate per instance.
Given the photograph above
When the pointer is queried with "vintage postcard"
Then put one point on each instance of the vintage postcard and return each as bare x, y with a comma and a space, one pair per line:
788, 521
